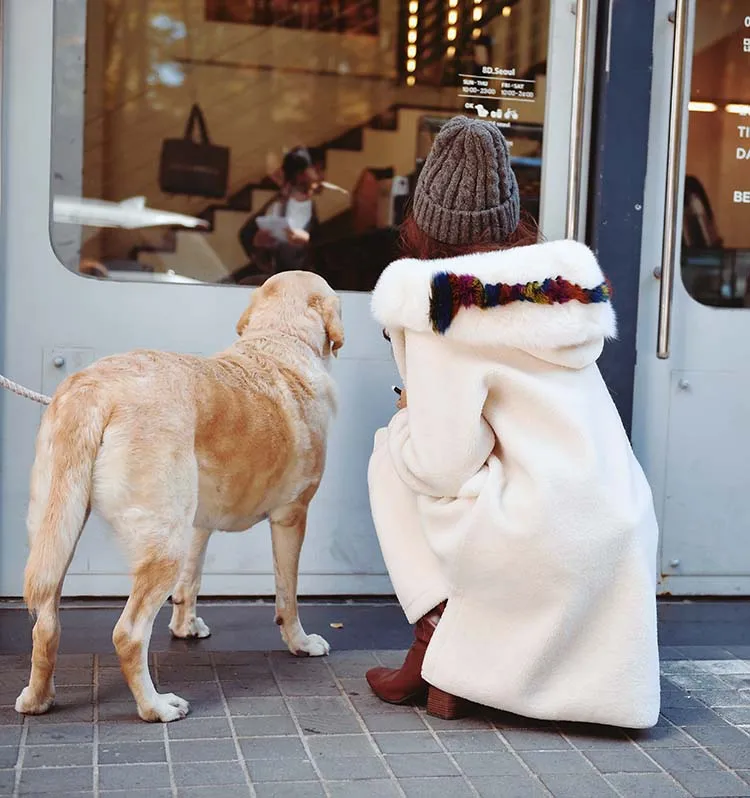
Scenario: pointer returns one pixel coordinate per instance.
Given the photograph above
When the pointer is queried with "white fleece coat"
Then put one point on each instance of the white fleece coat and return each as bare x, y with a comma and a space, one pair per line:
508, 487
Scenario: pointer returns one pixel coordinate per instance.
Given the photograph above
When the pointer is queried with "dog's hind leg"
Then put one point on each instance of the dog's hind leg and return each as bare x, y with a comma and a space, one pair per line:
154, 577
185, 622
288, 526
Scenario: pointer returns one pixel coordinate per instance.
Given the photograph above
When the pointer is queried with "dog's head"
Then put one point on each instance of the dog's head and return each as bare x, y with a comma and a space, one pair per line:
300, 303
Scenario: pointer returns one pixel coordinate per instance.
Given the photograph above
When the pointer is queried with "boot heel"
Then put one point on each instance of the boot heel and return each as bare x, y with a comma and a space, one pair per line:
444, 705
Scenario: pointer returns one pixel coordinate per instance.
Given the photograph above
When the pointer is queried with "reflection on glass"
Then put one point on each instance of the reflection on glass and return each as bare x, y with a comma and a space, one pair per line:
716, 217
223, 141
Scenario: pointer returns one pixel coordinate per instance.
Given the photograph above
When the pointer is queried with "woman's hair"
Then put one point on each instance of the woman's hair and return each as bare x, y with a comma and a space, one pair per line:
418, 245
296, 162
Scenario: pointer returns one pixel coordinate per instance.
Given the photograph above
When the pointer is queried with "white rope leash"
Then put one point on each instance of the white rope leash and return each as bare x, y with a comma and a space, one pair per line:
14, 387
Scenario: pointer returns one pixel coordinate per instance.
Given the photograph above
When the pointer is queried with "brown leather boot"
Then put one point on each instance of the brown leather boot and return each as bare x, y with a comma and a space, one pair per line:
404, 684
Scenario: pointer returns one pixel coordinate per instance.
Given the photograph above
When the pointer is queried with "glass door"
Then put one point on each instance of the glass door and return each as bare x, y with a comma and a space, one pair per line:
693, 425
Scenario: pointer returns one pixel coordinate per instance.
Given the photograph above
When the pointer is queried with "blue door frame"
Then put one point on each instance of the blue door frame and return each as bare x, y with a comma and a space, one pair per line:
620, 125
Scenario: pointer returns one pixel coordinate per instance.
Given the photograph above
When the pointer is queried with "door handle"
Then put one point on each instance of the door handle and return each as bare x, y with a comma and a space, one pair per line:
672, 231
578, 104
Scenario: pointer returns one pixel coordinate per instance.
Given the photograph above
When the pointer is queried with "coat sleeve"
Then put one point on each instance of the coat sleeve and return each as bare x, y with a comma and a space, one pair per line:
441, 440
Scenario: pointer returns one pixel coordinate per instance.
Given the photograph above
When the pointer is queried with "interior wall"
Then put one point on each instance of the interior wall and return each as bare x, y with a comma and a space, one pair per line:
263, 90
720, 75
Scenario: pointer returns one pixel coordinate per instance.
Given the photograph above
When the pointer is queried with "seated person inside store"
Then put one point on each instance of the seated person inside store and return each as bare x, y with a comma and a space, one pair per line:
278, 238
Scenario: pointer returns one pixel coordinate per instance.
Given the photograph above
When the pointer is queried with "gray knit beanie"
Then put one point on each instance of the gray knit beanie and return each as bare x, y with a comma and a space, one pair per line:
467, 192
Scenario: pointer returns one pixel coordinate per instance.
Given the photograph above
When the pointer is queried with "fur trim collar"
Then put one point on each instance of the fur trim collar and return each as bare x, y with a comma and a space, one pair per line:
509, 298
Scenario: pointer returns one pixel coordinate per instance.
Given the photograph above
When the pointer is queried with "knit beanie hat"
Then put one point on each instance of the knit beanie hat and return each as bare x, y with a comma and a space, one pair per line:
467, 192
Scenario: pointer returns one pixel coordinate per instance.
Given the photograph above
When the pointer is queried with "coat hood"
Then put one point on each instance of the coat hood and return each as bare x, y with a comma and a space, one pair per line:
550, 300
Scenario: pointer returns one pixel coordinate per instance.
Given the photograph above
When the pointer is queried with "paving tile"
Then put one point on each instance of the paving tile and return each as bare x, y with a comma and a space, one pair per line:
370, 788
692, 716
471, 741
8, 756
43, 756
7, 781
490, 764
437, 787
118, 711
624, 760
406, 721
664, 737
239, 658
144, 793
203, 750
647, 785
565, 762
69, 677
699, 681
319, 706
578, 786
672, 759
310, 688
126, 777
258, 688
712, 784
299, 789
257, 706
264, 726
535, 740
407, 743
739, 716
136, 732
280, 770
194, 674
272, 748
60, 733
207, 774
462, 724
422, 764
329, 724
340, 746
736, 757
601, 740
9, 717
721, 698
721, 667
718, 735
227, 791
199, 729
347, 767
677, 699
48, 780
64, 711
10, 735
130, 753
353, 686
370, 705
509, 787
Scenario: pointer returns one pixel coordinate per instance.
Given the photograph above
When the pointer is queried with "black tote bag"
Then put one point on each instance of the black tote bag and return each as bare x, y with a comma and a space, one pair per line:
198, 168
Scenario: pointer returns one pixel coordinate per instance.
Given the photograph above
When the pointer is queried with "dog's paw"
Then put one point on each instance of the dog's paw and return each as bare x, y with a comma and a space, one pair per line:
311, 646
166, 708
29, 704
193, 627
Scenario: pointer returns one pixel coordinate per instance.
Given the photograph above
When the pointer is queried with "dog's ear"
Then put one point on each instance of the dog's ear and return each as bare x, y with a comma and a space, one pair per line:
331, 313
242, 323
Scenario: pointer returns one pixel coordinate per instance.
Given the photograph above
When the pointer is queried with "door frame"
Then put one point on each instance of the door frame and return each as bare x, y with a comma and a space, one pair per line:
655, 389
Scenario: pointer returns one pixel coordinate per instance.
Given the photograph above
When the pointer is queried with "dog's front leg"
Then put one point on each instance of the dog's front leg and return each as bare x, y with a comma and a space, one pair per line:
185, 621
288, 526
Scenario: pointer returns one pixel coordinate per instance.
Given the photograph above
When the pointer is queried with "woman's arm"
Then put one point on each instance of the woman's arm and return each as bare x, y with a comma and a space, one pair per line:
441, 440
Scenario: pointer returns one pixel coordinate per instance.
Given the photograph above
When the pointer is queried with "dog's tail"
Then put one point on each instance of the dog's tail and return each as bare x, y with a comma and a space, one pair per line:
67, 445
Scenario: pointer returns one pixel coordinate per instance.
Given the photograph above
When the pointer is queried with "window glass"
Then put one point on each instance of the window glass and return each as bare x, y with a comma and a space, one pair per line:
222, 141
716, 218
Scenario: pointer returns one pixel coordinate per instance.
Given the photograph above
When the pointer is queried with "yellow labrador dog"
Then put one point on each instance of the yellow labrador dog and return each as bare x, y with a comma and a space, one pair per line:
168, 448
